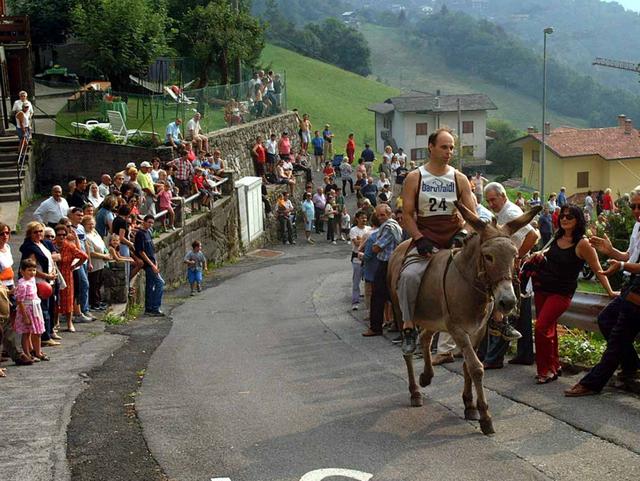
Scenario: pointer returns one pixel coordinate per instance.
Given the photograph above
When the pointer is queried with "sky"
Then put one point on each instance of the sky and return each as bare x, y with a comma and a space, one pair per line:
630, 4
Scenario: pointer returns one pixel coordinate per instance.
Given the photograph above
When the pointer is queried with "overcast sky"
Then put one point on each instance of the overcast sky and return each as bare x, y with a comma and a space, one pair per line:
630, 4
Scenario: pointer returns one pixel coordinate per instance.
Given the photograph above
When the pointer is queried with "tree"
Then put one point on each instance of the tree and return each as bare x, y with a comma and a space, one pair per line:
125, 37
217, 34
506, 159
50, 20
343, 46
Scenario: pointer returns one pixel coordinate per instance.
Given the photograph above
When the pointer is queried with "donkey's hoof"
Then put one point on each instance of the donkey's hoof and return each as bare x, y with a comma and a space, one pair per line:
486, 425
416, 401
471, 414
425, 379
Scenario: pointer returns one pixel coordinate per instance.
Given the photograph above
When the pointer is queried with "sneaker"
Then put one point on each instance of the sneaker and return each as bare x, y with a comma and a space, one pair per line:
342, 238
154, 313
83, 318
193, 293
509, 333
354, 307
311, 241
293, 242
409, 338
334, 242
397, 340
50, 343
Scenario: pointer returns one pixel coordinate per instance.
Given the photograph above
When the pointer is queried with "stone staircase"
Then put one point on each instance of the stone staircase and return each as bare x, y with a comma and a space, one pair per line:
9, 182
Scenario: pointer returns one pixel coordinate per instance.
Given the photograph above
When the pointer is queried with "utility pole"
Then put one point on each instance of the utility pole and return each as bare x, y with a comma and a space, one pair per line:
237, 62
546, 31
459, 135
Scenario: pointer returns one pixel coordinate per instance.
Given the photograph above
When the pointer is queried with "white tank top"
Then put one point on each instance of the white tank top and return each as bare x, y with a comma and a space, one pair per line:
437, 194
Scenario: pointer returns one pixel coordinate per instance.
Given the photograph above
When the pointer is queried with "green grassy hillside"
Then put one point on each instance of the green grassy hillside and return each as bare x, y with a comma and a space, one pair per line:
328, 94
408, 63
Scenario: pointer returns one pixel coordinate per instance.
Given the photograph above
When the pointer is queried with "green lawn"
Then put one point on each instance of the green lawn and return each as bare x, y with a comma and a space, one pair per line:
408, 62
140, 116
329, 94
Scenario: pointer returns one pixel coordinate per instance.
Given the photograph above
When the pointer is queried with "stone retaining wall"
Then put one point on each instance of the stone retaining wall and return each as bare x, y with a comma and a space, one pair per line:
235, 142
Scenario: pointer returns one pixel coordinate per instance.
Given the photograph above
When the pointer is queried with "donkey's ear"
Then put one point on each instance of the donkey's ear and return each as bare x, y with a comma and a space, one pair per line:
519, 222
472, 219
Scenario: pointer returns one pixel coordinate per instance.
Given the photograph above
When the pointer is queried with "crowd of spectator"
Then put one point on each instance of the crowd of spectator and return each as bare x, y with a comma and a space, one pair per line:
76, 238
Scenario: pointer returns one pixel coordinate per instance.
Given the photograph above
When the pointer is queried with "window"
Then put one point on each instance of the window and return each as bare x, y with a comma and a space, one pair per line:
467, 126
418, 154
422, 128
583, 180
535, 156
467, 150
386, 122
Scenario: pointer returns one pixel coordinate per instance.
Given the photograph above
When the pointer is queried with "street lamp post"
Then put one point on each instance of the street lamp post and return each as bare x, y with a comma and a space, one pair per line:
547, 31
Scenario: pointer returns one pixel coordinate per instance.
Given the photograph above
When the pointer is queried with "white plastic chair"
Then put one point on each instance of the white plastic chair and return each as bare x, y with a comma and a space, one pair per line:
90, 125
118, 127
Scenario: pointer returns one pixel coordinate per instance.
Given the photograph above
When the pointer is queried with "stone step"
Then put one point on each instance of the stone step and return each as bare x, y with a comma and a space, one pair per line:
9, 187
9, 196
8, 176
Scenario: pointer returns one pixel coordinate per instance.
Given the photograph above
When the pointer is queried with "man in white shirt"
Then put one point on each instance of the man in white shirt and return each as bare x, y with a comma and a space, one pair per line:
194, 133
500, 333
17, 105
272, 153
53, 209
105, 185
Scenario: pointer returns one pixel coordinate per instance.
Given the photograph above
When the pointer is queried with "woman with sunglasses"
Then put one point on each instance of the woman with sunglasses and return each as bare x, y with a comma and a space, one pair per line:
35, 247
619, 321
555, 283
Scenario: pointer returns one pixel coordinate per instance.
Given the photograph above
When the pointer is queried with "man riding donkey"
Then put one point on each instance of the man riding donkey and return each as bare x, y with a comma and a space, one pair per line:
432, 220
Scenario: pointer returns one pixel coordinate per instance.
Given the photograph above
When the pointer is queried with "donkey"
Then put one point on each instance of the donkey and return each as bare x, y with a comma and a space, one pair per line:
459, 291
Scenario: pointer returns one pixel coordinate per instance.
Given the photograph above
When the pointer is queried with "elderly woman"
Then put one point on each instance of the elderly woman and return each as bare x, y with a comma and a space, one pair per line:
94, 195
71, 254
34, 248
99, 255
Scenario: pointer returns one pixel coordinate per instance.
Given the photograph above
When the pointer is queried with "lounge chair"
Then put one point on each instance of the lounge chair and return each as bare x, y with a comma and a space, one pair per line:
90, 125
180, 98
118, 127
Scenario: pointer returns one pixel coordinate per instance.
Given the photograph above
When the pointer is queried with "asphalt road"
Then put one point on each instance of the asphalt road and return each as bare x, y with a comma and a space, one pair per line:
265, 377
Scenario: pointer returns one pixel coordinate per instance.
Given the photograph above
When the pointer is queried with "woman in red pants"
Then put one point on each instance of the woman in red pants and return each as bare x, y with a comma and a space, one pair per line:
555, 283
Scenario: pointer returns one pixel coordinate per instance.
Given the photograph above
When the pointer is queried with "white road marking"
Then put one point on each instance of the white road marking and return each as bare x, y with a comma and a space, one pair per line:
220, 479
320, 474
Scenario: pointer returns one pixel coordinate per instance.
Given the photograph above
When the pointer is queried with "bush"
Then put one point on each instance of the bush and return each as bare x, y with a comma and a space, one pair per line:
580, 347
100, 134
146, 141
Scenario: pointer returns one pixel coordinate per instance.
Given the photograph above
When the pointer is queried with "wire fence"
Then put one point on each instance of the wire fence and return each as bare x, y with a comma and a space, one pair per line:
152, 107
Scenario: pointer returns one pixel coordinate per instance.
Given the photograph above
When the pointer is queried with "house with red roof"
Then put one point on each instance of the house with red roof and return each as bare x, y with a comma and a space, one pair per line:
583, 159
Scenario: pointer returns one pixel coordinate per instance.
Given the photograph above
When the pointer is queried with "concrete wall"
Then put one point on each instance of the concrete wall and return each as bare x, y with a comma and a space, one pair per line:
60, 159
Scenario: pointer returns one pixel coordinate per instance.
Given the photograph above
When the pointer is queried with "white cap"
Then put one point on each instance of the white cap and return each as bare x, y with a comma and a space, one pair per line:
145, 164
131, 164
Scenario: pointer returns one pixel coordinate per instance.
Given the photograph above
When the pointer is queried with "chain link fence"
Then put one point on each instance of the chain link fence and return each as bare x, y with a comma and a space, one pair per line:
152, 106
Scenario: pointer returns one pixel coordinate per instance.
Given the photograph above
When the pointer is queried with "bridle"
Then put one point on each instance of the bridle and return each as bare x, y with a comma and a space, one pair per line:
481, 283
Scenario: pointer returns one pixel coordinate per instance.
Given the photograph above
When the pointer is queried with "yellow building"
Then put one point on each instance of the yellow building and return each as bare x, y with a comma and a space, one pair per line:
583, 159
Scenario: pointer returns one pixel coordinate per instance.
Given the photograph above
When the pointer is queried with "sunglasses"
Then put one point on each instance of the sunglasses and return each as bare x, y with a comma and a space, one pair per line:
567, 216
5, 233
61, 234
49, 236
38, 231
634, 206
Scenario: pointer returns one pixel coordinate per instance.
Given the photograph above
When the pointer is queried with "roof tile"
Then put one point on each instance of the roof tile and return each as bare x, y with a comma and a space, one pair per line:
610, 143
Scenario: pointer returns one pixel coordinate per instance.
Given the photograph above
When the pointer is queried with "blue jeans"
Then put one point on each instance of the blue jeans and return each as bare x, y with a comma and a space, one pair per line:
83, 287
154, 288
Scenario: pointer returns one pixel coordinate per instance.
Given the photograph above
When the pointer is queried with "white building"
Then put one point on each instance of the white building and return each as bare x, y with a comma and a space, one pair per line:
407, 120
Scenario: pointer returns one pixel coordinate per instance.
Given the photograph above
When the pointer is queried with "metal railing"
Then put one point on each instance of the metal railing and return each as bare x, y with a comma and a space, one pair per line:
180, 211
22, 157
